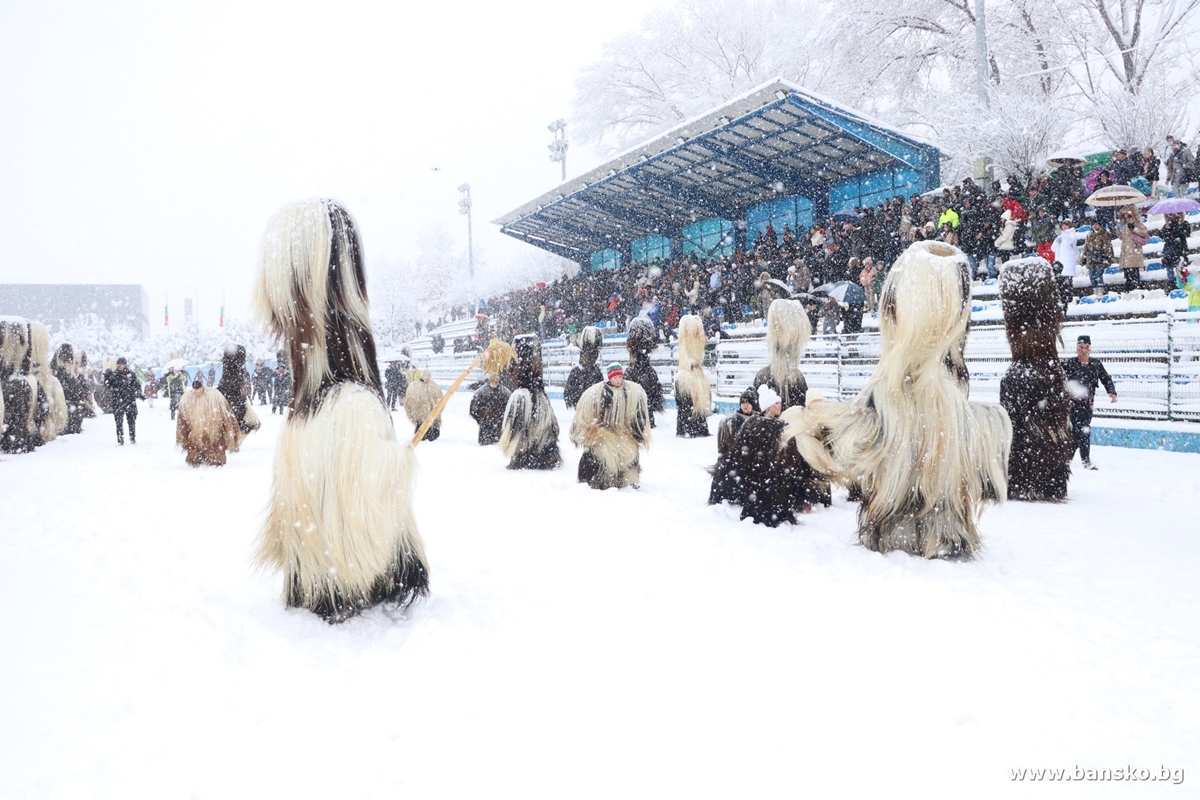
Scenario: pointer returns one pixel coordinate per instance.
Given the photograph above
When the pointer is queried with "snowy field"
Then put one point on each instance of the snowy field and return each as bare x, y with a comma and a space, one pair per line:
631, 643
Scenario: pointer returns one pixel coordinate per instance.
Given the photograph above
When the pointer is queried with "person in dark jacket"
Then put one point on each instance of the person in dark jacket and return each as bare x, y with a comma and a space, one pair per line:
124, 391
262, 383
641, 340
281, 389
1084, 374
233, 386
174, 382
586, 372
487, 408
1175, 249
774, 479
725, 479
395, 383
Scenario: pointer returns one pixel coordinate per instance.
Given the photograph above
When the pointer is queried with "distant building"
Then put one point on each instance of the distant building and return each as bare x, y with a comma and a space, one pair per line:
59, 304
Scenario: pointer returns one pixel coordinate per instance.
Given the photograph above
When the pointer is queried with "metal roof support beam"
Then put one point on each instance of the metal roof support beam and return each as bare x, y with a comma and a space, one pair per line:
915, 156
759, 169
689, 197
635, 219
569, 253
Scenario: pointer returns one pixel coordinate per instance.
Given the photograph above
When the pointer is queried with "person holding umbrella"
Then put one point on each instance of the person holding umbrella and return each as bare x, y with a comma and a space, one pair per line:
1134, 237
1175, 232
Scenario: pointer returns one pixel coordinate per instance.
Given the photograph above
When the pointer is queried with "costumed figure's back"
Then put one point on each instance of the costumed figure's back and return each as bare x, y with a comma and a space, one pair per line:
52, 415
587, 371
340, 523
923, 458
205, 426
1034, 389
529, 437
20, 392
420, 401
788, 331
693, 395
641, 341
487, 408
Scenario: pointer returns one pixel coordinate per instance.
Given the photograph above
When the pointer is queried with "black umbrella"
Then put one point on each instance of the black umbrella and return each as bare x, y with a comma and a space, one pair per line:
846, 215
843, 291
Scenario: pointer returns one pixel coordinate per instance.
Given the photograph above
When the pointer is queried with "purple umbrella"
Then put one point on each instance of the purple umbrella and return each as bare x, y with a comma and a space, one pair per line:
1175, 205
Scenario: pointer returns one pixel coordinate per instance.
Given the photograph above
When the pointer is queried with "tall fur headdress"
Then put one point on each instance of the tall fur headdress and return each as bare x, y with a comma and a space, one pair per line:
529, 362
788, 331
14, 345
311, 292
1033, 315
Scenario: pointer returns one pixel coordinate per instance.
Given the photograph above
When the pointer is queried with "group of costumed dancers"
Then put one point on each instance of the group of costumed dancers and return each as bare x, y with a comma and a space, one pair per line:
918, 456
40, 398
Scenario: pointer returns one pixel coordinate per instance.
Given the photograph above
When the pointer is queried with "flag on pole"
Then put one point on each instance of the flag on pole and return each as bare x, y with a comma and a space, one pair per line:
166, 311
221, 322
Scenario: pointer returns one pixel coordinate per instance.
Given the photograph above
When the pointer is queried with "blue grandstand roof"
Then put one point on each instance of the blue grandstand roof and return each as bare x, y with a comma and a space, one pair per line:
774, 141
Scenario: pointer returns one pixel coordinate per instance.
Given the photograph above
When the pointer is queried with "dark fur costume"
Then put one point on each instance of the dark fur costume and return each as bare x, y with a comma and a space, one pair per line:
21, 402
586, 372
642, 340
1034, 389
232, 385
726, 480
530, 432
774, 480
340, 523
73, 386
487, 408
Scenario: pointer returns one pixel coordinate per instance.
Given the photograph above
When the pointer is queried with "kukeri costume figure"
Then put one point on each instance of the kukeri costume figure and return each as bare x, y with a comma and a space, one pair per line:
205, 426
19, 391
611, 423
586, 372
693, 395
487, 408
74, 388
726, 480
922, 457
234, 386
788, 331
641, 341
1034, 389
529, 436
422, 396
340, 523
52, 414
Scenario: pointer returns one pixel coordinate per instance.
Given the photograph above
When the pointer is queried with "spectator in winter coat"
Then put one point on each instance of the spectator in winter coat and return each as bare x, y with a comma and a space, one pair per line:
1006, 241
1180, 163
1043, 232
124, 390
1065, 253
1174, 234
1134, 237
281, 389
1084, 374
1124, 169
1150, 165
150, 388
1190, 283
1098, 256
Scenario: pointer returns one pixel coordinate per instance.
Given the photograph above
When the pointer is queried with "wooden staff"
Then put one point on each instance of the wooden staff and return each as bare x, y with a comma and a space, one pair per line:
495, 358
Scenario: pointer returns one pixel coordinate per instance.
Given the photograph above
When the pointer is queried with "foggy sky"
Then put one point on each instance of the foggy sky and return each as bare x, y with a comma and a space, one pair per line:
149, 143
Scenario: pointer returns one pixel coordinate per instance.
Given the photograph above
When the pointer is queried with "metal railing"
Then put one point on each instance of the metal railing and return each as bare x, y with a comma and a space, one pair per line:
1155, 363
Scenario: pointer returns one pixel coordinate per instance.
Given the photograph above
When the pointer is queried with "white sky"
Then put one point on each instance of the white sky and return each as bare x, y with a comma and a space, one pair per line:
149, 142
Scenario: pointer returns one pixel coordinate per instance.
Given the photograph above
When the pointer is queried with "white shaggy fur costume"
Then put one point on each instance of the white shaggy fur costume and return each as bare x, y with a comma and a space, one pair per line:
55, 419
923, 458
788, 331
419, 401
611, 424
529, 435
693, 395
340, 523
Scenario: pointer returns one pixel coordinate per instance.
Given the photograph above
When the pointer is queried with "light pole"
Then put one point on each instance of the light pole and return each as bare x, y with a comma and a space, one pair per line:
558, 147
464, 207
981, 76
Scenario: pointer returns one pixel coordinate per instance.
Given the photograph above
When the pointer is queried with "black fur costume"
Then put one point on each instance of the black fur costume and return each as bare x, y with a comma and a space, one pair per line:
1034, 389
586, 372
530, 433
641, 340
74, 389
726, 481
774, 481
487, 408
20, 394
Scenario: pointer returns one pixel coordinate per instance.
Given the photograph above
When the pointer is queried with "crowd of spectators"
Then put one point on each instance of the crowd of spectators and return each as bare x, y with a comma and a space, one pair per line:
990, 224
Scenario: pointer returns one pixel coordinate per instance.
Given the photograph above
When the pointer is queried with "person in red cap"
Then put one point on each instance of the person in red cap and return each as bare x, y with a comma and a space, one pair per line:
612, 421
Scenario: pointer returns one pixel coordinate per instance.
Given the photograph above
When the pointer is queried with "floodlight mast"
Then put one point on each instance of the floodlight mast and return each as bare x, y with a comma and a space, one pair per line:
464, 207
558, 147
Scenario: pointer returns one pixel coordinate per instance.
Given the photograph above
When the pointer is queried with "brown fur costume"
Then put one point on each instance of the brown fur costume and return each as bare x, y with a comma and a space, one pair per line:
205, 426
924, 458
1034, 389
340, 523
611, 424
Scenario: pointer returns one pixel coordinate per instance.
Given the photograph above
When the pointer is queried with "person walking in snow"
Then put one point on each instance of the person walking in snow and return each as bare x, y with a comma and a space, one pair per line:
125, 391
1084, 374
174, 382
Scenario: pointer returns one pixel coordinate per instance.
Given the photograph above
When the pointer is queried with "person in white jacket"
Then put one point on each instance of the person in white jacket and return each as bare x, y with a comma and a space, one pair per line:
1066, 255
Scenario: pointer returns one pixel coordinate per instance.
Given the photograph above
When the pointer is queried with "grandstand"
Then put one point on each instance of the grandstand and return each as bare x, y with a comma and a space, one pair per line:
777, 155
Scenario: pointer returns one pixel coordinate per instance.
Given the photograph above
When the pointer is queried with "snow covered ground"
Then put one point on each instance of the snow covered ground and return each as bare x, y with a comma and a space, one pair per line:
632, 643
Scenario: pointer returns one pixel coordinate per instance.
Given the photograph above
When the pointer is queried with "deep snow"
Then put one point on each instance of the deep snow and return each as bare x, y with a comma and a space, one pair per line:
585, 644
